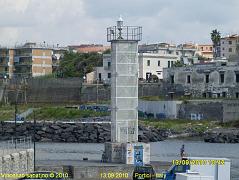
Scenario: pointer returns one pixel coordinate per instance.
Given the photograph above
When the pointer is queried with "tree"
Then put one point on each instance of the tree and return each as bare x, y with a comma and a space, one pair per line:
178, 64
107, 51
215, 37
154, 78
78, 64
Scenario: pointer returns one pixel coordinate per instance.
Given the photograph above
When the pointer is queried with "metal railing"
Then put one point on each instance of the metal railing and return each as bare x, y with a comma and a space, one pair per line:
15, 145
128, 33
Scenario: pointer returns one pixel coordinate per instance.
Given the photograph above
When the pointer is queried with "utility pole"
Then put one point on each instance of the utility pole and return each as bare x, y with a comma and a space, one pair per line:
34, 140
15, 124
97, 93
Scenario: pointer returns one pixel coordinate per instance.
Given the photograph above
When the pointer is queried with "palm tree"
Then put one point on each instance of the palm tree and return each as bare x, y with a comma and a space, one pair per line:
215, 37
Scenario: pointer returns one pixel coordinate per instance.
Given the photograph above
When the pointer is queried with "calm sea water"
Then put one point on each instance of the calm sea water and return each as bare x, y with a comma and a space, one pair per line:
160, 151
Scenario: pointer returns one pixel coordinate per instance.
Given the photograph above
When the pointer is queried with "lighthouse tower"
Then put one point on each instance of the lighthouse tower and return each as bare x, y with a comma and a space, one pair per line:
124, 96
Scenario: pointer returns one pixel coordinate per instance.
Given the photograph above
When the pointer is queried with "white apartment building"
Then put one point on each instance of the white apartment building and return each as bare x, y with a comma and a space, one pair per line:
228, 46
153, 64
103, 74
152, 59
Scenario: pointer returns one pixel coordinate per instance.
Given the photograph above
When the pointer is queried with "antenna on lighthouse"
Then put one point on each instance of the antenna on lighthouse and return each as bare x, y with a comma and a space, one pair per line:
119, 27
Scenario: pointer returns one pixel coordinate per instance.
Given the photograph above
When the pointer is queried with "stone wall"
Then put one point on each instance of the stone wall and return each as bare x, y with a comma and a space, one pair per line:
160, 109
69, 90
230, 110
201, 110
19, 162
73, 132
220, 110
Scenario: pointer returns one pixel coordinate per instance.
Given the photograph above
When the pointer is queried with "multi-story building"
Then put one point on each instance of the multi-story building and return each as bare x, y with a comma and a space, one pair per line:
184, 52
187, 53
32, 60
148, 64
29, 60
215, 79
205, 50
6, 62
153, 64
152, 59
229, 46
104, 72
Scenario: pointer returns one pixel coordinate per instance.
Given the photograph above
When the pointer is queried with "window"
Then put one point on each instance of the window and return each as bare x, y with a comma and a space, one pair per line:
222, 77
176, 53
99, 76
210, 48
172, 79
158, 63
209, 94
230, 49
109, 64
237, 94
223, 48
148, 76
148, 62
201, 48
224, 94
237, 77
207, 78
109, 75
188, 79
168, 64
172, 63
223, 55
218, 95
230, 42
204, 95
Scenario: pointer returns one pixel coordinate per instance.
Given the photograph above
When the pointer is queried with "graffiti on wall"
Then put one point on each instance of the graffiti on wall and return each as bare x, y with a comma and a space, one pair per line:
196, 116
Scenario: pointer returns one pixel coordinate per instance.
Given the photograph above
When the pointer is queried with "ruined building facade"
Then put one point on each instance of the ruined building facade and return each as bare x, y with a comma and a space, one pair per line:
210, 80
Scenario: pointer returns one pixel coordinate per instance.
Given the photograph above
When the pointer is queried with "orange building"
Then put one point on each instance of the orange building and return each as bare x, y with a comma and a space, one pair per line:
28, 60
32, 60
205, 50
88, 48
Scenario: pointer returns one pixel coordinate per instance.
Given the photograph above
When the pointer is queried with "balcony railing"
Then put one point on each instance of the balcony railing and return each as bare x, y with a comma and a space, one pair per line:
23, 63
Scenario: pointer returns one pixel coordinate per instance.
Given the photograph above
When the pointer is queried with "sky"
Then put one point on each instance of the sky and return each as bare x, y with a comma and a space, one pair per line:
73, 22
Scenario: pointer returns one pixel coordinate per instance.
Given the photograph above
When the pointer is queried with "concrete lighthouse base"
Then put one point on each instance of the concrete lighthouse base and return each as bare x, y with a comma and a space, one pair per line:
127, 153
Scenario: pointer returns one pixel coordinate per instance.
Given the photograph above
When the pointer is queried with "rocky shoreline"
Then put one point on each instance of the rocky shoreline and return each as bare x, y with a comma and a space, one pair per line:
230, 135
100, 133
73, 132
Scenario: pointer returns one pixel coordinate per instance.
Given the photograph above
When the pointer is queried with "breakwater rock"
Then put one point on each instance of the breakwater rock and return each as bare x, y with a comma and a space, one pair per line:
230, 135
73, 132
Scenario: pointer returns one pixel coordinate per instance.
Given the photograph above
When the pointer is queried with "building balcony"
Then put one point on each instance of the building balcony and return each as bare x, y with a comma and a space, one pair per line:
23, 64
18, 55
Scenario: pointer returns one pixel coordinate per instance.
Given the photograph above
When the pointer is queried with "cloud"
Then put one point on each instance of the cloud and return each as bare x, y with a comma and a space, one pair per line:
85, 21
